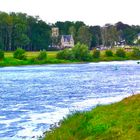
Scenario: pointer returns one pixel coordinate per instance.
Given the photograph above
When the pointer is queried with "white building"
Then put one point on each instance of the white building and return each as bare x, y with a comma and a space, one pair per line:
55, 32
67, 41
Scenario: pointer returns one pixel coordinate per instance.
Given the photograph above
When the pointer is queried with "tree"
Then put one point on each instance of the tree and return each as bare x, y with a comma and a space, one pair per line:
84, 36
96, 35
81, 52
110, 35
72, 31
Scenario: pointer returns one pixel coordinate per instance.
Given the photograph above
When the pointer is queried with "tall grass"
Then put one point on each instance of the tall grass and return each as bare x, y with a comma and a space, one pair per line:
119, 121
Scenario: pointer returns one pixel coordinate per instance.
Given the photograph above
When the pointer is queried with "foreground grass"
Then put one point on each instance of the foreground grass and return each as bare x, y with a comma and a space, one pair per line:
51, 59
118, 121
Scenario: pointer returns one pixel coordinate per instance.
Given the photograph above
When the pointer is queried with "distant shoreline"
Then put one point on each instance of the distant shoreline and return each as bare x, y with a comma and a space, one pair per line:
64, 62
52, 59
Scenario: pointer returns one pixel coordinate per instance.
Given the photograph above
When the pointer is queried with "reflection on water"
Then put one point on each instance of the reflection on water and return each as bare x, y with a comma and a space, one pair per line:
34, 97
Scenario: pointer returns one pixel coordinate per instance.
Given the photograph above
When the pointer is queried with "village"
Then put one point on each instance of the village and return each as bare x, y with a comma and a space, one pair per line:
61, 42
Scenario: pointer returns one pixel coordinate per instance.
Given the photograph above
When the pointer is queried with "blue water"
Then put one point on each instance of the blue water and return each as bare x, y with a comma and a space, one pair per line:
34, 97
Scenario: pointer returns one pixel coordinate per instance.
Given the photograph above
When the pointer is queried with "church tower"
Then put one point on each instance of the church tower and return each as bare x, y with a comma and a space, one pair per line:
55, 32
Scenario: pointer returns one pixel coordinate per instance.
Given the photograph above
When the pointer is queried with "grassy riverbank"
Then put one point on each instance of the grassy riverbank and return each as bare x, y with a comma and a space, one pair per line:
51, 59
118, 121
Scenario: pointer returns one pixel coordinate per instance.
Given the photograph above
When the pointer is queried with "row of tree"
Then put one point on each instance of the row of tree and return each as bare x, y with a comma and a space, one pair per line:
32, 33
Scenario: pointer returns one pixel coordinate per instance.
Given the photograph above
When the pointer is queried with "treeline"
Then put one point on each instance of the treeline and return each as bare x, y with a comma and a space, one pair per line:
18, 30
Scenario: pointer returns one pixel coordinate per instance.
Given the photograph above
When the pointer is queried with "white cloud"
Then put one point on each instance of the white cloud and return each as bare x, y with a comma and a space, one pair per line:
90, 11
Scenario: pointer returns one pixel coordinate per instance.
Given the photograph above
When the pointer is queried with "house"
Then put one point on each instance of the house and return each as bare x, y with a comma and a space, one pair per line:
67, 41
128, 48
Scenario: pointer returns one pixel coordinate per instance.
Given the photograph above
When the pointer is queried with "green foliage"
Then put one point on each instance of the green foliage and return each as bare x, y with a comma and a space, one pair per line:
1, 55
81, 52
120, 52
138, 42
84, 36
65, 54
108, 53
1, 45
42, 55
118, 121
136, 53
78, 52
19, 54
96, 53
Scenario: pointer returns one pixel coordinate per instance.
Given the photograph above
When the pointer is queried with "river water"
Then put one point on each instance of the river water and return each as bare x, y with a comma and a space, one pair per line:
34, 97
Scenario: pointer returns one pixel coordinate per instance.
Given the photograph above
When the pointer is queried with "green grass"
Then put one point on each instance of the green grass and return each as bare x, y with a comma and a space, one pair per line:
118, 121
51, 59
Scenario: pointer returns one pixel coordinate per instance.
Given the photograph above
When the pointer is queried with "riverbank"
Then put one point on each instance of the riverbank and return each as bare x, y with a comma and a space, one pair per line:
51, 59
118, 121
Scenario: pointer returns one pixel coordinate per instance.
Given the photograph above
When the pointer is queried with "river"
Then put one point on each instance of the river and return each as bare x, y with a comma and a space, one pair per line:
34, 97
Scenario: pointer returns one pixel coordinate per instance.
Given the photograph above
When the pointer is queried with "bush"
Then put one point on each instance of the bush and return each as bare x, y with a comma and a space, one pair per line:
136, 52
78, 52
81, 52
19, 54
65, 54
120, 53
1, 55
42, 55
109, 53
96, 53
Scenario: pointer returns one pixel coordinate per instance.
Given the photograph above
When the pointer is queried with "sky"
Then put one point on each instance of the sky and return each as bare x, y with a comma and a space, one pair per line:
92, 12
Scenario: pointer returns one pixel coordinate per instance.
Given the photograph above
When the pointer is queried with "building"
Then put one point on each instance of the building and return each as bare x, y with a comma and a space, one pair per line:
55, 32
128, 48
67, 41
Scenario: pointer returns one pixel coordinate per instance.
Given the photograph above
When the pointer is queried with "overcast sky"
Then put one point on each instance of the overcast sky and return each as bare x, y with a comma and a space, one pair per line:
92, 12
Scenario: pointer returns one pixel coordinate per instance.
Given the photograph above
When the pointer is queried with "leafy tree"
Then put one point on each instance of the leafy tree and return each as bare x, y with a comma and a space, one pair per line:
96, 53
138, 42
96, 36
109, 53
110, 35
81, 52
1, 45
120, 53
136, 52
72, 31
19, 54
1, 55
42, 55
84, 36
65, 54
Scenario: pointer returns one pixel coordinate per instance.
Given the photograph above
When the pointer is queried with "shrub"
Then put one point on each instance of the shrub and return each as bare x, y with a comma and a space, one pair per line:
19, 54
1, 55
108, 53
120, 53
65, 54
42, 55
81, 52
136, 52
96, 53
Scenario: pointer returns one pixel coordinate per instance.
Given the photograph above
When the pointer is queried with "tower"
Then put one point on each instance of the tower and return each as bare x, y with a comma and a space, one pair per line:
55, 32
